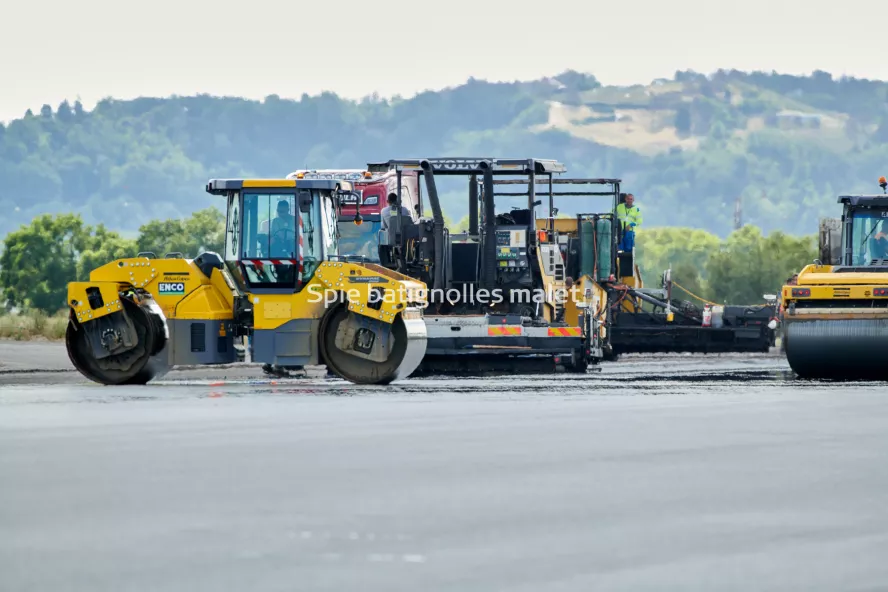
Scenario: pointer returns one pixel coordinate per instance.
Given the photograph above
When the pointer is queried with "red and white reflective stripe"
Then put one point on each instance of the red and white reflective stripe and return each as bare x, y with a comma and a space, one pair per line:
301, 268
263, 262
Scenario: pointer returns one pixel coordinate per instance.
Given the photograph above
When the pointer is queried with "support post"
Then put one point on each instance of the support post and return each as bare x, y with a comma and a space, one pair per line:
489, 240
438, 223
473, 205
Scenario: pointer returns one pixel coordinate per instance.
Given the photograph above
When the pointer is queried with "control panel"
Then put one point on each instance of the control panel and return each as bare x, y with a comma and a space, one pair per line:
511, 249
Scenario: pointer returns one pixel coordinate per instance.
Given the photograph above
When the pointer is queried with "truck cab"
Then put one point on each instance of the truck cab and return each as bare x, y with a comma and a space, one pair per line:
359, 234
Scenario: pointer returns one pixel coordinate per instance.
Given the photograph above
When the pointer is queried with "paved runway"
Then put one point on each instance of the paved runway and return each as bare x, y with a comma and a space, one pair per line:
663, 474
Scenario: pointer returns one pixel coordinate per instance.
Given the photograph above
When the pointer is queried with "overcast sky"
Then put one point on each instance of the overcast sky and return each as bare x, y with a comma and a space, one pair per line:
53, 50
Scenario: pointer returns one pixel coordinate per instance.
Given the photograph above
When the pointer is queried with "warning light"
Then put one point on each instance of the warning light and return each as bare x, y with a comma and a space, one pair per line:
883, 183
300, 175
367, 175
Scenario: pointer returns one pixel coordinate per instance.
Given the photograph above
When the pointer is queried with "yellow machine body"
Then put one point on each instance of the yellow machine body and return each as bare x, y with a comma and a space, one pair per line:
350, 283
835, 313
137, 317
574, 300
178, 287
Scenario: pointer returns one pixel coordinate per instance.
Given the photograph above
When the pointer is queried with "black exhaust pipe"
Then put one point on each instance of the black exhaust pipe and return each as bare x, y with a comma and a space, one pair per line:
438, 223
473, 205
488, 266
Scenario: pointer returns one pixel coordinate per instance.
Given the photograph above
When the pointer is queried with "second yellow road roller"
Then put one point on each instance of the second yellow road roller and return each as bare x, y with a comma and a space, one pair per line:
836, 313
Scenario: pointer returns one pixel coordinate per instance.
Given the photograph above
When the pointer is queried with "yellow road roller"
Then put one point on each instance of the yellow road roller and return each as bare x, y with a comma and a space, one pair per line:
280, 282
835, 315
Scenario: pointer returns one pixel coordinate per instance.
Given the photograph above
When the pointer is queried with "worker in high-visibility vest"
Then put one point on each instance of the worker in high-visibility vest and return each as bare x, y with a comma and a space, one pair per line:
629, 216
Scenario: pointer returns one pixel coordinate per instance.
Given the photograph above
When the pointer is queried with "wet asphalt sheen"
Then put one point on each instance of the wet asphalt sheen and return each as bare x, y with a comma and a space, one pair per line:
659, 474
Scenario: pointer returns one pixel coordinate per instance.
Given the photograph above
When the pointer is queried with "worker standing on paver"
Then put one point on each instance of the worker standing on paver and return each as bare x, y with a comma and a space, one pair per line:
629, 216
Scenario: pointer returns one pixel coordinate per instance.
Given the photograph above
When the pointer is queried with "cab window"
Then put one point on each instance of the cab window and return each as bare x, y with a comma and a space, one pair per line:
269, 226
312, 229
406, 200
870, 232
360, 241
232, 228
331, 233
269, 243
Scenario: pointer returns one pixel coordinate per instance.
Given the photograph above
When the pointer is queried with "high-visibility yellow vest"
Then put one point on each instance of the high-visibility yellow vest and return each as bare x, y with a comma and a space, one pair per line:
628, 215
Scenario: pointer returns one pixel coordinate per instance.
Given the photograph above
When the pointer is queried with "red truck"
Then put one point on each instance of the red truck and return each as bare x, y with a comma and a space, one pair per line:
362, 240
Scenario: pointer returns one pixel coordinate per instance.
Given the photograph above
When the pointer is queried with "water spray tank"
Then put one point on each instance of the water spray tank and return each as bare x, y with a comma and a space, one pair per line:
604, 239
587, 250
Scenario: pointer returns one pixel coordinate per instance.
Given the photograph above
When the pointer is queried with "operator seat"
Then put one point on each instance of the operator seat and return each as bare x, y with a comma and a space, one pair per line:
403, 225
388, 238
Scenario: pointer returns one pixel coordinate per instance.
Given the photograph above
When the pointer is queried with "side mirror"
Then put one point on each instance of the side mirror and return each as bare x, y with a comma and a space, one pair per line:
346, 196
305, 202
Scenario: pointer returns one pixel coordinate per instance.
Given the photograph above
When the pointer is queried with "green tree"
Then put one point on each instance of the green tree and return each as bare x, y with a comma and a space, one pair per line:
748, 265
129, 161
692, 284
659, 249
102, 247
203, 231
881, 133
40, 259
683, 120
461, 226
448, 222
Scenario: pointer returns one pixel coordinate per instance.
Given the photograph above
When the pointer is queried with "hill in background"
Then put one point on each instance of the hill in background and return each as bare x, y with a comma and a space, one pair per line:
688, 147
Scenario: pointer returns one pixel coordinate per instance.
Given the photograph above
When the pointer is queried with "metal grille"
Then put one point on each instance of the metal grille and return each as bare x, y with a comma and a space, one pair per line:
198, 337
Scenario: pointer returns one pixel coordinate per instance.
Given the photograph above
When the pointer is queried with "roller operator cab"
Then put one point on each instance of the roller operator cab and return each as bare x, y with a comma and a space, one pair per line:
280, 280
836, 313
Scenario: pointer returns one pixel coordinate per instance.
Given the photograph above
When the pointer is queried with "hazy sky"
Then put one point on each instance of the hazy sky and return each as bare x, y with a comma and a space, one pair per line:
53, 50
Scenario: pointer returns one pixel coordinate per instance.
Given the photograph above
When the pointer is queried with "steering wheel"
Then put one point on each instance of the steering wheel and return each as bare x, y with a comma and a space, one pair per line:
275, 239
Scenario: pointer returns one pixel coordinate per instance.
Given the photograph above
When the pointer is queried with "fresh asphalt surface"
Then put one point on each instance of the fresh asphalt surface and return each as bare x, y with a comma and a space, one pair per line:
675, 473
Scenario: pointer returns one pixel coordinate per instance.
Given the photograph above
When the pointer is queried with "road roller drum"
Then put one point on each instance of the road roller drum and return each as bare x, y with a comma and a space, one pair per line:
835, 311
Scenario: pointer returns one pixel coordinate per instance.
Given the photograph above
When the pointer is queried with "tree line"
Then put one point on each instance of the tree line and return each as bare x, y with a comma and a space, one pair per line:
740, 269
785, 146
39, 259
